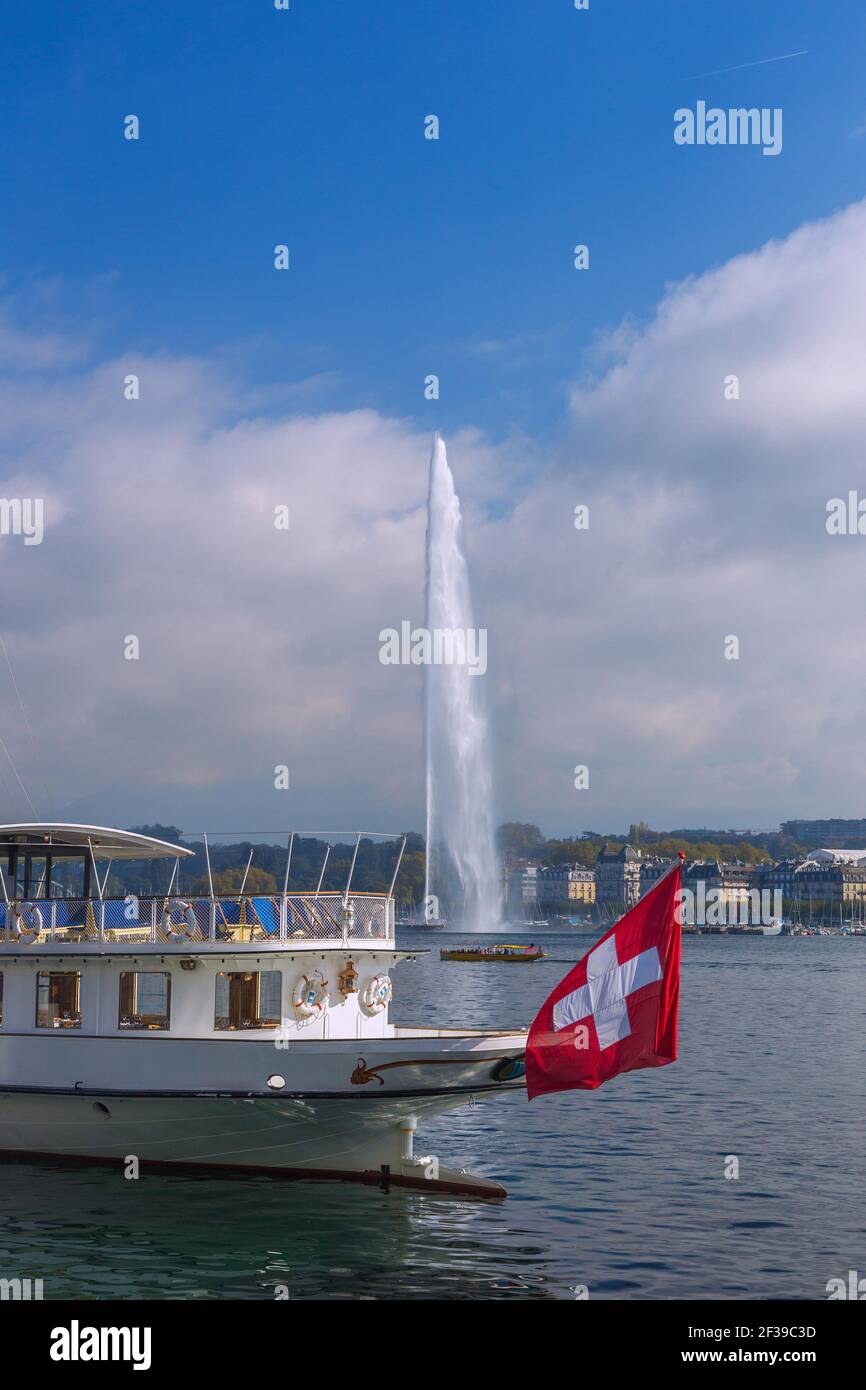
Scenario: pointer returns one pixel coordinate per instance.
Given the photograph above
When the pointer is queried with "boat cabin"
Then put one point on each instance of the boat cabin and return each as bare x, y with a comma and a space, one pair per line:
78, 959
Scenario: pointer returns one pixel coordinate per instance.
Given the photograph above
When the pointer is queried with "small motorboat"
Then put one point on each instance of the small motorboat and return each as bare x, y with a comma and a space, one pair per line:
491, 953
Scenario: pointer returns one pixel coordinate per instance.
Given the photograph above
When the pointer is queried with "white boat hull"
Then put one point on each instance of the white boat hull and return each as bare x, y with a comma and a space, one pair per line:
342, 1114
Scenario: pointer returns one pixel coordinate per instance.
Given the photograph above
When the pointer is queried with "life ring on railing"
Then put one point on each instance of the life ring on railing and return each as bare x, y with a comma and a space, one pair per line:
310, 995
378, 994
26, 932
185, 932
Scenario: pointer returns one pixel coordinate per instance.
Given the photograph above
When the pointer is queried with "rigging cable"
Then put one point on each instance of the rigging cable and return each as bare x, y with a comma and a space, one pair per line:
27, 725
20, 783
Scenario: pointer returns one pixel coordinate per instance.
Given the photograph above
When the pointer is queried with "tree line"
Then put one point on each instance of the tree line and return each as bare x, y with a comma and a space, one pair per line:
374, 867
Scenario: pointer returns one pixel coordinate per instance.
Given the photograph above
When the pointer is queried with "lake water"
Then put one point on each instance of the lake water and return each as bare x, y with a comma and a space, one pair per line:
622, 1189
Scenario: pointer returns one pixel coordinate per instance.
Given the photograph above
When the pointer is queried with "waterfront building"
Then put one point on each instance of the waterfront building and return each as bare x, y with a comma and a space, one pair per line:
725, 891
552, 885
521, 887
562, 885
651, 870
617, 877
531, 886
581, 885
782, 881
850, 894
824, 887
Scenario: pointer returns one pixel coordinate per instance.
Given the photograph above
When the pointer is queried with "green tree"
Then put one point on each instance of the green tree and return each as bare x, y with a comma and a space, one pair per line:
410, 880
520, 840
228, 882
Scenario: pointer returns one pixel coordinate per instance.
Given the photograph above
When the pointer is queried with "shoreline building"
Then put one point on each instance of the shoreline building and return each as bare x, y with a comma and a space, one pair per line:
548, 886
617, 877
521, 887
652, 868
562, 885
826, 885
733, 901
829, 885
552, 885
581, 885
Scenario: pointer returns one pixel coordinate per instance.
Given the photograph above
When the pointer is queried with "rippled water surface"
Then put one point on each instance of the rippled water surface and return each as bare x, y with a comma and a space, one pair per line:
622, 1190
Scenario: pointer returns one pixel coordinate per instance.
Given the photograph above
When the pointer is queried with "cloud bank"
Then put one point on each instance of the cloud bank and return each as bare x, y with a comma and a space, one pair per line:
259, 646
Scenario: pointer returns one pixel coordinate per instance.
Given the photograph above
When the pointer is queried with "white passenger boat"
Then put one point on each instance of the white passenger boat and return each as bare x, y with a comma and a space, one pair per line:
244, 1032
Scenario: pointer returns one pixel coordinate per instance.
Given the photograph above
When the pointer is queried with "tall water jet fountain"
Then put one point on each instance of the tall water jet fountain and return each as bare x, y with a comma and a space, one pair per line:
462, 865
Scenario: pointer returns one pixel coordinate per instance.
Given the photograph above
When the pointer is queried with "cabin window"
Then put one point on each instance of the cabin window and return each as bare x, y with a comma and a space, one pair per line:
58, 998
145, 999
247, 999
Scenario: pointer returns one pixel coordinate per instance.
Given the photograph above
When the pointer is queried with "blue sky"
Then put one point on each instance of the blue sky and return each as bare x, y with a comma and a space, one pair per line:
558, 387
408, 256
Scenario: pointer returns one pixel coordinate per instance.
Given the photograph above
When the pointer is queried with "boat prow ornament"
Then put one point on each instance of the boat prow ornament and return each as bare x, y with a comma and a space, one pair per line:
362, 1074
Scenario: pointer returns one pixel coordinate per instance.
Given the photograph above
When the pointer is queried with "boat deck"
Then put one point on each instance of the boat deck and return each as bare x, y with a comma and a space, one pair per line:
196, 923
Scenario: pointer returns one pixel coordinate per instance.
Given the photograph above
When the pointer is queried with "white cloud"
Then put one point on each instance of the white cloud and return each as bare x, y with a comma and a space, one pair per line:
260, 647
707, 518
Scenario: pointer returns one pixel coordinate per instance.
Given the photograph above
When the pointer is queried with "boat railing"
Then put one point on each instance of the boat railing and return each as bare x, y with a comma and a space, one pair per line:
241, 919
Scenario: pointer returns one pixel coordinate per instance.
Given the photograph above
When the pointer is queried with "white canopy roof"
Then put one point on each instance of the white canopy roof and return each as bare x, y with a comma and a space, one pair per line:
838, 856
107, 843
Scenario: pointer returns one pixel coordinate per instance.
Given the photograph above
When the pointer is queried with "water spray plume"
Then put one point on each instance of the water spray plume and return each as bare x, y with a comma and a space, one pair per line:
462, 864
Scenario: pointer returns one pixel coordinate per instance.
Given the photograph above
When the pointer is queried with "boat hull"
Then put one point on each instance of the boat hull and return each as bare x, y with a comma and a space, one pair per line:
340, 1115
327, 1140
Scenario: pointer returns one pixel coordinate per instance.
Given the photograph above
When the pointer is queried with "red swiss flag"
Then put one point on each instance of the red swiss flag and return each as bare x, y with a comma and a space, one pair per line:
617, 1009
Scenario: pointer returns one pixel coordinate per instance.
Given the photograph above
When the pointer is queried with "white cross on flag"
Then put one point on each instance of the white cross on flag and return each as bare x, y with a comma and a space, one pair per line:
617, 1009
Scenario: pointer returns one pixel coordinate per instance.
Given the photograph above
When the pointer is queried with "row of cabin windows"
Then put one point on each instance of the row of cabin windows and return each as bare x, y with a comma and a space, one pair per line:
244, 999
